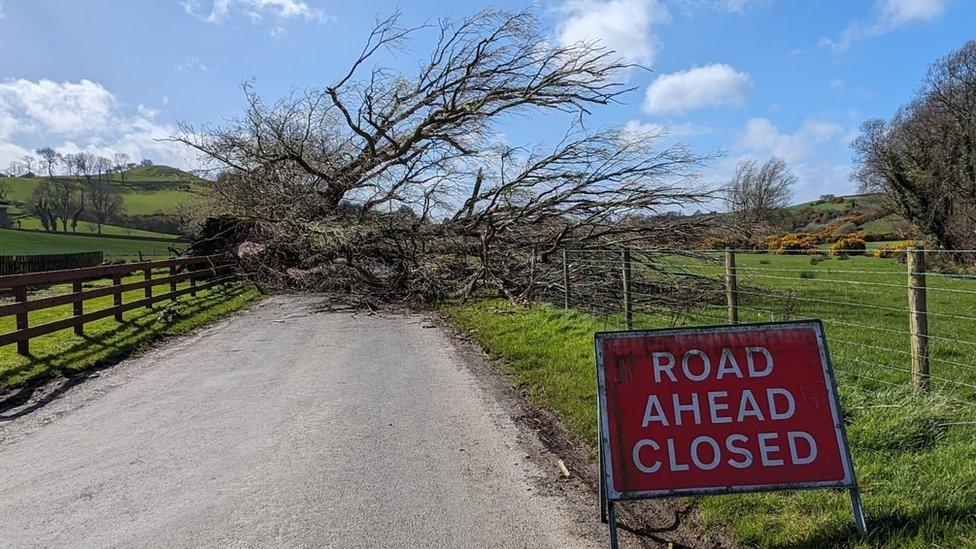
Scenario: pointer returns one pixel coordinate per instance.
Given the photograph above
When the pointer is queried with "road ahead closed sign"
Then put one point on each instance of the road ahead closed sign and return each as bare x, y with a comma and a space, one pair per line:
737, 408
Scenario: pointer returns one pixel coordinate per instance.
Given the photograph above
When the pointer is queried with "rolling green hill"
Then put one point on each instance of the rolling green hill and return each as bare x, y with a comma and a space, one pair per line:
870, 214
148, 190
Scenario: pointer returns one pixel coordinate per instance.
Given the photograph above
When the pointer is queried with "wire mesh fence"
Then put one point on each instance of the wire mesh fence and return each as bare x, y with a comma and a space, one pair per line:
906, 321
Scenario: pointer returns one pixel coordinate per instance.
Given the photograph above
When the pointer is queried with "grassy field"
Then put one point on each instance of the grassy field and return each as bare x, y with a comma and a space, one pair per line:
14, 242
914, 455
165, 199
63, 353
86, 228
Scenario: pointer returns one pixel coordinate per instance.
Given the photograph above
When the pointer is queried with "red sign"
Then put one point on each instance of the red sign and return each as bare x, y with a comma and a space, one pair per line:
736, 408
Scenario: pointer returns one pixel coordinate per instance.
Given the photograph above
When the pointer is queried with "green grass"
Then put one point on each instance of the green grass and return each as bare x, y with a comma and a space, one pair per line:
85, 228
136, 201
14, 242
915, 456
64, 353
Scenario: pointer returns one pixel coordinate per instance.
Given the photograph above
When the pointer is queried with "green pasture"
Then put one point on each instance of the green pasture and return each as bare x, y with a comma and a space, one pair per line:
13, 242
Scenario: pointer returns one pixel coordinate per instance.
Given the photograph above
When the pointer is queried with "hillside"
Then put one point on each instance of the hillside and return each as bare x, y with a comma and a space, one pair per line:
150, 193
147, 190
870, 214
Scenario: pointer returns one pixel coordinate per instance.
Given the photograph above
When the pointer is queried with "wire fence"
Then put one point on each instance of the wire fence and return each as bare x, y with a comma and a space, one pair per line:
907, 321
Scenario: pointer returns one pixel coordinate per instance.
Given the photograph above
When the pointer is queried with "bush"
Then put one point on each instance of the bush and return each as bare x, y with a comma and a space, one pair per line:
791, 242
896, 250
851, 245
728, 241
808, 274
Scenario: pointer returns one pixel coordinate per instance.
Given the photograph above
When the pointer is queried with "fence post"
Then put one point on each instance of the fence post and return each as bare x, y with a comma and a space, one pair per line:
918, 319
117, 295
20, 296
193, 283
731, 286
172, 284
628, 311
565, 279
78, 306
147, 276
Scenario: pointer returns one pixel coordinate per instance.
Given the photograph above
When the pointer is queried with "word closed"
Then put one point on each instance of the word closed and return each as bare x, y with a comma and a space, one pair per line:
738, 408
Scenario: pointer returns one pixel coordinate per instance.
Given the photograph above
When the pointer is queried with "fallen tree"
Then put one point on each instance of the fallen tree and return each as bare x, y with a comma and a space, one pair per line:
391, 186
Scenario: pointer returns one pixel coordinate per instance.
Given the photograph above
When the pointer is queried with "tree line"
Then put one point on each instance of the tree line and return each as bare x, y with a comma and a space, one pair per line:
88, 195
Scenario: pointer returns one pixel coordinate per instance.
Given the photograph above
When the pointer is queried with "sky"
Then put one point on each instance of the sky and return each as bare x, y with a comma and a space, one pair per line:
737, 78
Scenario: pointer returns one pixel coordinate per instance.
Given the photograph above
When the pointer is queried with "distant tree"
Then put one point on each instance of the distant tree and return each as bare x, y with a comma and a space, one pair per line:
146, 162
4, 189
121, 165
40, 205
59, 200
101, 167
104, 203
759, 194
924, 158
29, 161
5, 220
50, 159
16, 169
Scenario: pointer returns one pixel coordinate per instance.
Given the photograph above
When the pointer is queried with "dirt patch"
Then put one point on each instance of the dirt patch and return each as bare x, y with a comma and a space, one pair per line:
649, 523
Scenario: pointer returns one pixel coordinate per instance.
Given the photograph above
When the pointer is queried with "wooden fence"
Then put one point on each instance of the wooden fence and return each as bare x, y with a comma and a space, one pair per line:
202, 273
18, 264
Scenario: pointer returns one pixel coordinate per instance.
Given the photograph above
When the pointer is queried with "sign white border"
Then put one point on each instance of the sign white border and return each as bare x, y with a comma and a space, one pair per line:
614, 495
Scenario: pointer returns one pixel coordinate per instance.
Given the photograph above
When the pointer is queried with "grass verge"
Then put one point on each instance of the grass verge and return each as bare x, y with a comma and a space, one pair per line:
914, 455
106, 341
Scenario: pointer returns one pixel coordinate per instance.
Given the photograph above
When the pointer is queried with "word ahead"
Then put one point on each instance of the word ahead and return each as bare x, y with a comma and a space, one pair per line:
726, 409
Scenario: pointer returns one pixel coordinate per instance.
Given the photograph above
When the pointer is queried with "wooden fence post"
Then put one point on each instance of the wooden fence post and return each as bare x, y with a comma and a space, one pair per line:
628, 305
20, 296
147, 276
565, 279
172, 284
117, 295
79, 306
918, 319
731, 287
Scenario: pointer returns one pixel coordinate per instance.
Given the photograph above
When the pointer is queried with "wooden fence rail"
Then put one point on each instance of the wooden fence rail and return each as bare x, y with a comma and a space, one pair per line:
202, 273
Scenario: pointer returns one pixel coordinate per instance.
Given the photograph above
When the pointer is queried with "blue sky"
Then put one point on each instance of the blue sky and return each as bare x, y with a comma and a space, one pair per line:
749, 78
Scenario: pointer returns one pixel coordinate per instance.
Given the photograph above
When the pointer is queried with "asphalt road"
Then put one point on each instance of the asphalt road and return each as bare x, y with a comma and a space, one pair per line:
284, 426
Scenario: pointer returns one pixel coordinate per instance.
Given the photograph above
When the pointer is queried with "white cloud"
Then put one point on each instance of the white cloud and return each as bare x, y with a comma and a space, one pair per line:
59, 107
760, 135
1, 10
255, 10
81, 116
191, 63
623, 26
886, 16
816, 174
654, 129
709, 86
727, 6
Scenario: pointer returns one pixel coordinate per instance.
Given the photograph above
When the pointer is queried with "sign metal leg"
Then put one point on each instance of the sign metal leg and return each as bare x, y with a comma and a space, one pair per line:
612, 515
603, 486
859, 521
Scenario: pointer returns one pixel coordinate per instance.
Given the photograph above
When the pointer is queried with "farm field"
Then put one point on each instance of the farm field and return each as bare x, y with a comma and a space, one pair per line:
161, 196
13, 242
912, 452
64, 353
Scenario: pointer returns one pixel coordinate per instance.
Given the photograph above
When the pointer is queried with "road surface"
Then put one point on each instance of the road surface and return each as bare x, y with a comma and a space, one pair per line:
290, 426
